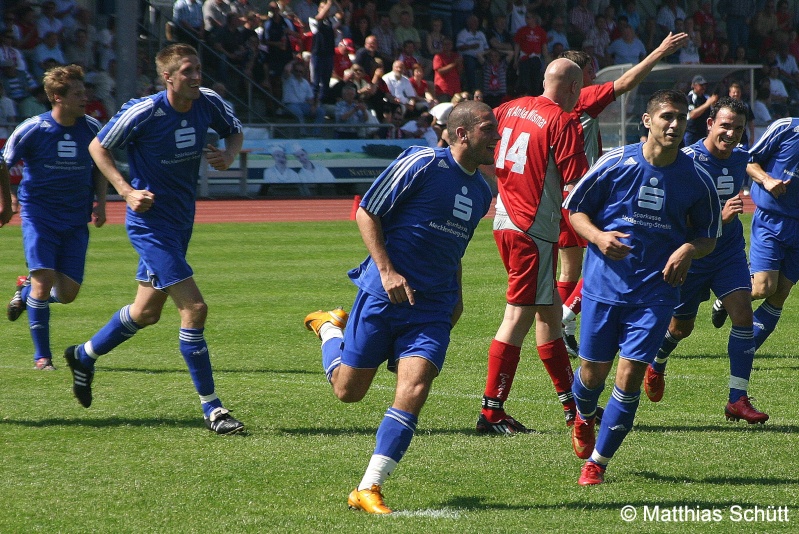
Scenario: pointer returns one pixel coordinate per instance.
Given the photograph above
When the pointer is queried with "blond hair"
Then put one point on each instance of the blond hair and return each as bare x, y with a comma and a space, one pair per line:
56, 80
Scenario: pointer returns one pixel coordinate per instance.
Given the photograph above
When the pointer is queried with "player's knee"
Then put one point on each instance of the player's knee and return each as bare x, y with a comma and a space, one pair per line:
196, 312
147, 317
763, 289
349, 392
681, 330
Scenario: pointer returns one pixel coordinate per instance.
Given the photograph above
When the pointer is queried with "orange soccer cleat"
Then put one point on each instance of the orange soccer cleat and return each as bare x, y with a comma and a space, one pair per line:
369, 500
337, 317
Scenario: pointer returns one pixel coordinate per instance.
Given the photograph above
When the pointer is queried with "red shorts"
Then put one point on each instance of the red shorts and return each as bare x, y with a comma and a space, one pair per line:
531, 264
568, 236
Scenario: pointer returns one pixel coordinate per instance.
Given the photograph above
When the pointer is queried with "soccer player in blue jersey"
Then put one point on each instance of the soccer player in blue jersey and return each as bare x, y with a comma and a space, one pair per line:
57, 193
774, 250
725, 270
633, 208
416, 221
165, 138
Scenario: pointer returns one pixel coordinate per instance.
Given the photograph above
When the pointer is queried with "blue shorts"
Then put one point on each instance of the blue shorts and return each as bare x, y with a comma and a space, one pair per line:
635, 332
378, 331
731, 276
162, 255
54, 246
774, 245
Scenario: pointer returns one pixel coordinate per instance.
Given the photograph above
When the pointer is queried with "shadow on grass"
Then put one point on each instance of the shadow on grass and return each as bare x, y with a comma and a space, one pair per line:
183, 370
717, 355
736, 481
481, 504
107, 422
721, 427
469, 432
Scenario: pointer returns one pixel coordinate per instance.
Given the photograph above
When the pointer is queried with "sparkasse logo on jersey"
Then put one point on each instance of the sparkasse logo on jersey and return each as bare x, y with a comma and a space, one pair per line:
185, 136
651, 197
463, 206
67, 148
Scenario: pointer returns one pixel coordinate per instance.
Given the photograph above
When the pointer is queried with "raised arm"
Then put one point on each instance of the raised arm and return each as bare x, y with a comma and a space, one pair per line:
633, 77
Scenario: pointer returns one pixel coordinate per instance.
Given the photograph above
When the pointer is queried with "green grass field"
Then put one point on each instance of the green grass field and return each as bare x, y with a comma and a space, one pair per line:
140, 459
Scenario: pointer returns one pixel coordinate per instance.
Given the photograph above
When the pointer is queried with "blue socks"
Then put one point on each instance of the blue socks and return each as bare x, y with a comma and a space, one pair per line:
616, 423
117, 330
662, 357
331, 355
741, 349
195, 352
395, 433
585, 399
765, 319
39, 322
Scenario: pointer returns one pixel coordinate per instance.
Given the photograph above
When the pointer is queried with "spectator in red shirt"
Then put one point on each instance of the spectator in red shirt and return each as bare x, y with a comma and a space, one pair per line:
425, 98
709, 49
530, 44
448, 66
341, 57
703, 17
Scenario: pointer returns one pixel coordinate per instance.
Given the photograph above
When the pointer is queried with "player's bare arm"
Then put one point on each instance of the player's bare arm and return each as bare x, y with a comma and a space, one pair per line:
607, 242
770, 184
6, 208
732, 208
633, 77
100, 193
676, 269
397, 288
138, 200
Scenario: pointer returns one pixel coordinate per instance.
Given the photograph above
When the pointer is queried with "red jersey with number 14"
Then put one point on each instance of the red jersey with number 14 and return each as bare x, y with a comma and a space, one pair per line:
541, 150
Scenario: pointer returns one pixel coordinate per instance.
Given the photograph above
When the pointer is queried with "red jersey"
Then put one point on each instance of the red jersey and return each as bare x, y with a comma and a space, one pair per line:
448, 83
593, 99
341, 62
541, 150
531, 41
420, 87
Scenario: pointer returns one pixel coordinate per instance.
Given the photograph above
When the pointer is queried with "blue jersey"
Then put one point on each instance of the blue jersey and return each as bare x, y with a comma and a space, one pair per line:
728, 175
624, 192
57, 183
429, 208
165, 150
777, 151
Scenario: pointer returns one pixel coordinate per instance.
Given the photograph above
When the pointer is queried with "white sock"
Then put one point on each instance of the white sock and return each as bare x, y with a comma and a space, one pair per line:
328, 331
568, 315
378, 470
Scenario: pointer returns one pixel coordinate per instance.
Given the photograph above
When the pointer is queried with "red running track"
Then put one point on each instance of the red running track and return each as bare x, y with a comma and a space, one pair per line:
274, 210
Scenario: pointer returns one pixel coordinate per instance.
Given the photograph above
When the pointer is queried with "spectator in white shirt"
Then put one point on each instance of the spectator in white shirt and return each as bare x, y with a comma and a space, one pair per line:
400, 86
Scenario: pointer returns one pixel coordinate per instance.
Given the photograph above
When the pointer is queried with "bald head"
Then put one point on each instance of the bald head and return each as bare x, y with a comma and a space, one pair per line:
563, 80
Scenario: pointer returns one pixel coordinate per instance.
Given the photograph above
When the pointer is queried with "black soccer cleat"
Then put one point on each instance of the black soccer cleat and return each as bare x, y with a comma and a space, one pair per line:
17, 304
507, 425
718, 315
81, 377
221, 422
572, 347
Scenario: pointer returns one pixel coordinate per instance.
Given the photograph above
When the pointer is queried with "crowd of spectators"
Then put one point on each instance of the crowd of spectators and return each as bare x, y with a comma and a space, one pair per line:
35, 36
403, 58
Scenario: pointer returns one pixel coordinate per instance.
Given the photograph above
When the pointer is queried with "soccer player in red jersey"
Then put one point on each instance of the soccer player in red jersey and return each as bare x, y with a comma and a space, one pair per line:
540, 151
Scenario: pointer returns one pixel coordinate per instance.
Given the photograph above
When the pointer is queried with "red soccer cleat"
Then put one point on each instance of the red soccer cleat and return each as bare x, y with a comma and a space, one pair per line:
591, 474
743, 409
583, 437
654, 384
